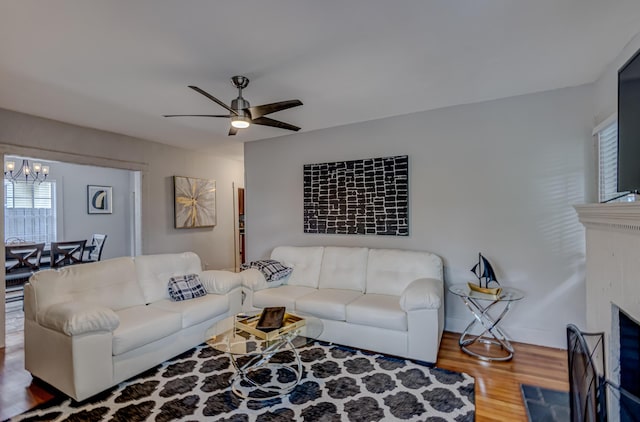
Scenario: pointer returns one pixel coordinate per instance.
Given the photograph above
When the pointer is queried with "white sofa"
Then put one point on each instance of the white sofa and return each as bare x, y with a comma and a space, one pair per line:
384, 300
91, 326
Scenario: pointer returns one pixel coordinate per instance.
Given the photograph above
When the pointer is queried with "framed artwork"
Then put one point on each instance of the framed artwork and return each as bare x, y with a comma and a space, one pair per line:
369, 197
99, 199
194, 202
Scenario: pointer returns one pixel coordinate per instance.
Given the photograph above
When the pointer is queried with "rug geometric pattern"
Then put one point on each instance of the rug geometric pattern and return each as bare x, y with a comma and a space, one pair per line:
338, 384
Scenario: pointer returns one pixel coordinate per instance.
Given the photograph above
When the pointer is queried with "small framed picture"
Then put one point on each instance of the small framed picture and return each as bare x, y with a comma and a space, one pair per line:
99, 199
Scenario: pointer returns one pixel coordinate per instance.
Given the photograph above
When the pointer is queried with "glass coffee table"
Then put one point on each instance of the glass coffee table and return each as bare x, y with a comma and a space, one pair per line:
263, 369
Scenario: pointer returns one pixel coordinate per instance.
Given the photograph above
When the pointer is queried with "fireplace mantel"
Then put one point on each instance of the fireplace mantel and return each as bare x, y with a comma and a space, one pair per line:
616, 216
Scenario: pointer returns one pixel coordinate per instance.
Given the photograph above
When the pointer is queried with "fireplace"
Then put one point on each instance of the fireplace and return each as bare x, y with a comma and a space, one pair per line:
613, 296
626, 353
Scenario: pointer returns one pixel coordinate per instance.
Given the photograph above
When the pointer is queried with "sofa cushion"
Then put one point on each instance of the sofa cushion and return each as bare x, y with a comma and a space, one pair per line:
140, 325
327, 303
185, 287
280, 296
154, 272
305, 261
111, 283
343, 268
389, 271
196, 310
377, 311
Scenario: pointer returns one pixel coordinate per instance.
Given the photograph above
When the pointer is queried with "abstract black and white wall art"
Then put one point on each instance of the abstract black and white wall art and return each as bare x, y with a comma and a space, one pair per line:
358, 197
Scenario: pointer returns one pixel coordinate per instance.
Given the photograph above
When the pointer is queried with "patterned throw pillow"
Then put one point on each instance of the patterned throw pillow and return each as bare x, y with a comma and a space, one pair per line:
271, 269
185, 287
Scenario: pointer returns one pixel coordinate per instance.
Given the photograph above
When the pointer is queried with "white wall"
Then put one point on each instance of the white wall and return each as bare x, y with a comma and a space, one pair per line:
497, 177
25, 135
77, 223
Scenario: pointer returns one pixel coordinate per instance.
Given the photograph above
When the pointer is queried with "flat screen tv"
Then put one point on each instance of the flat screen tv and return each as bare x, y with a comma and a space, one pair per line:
629, 126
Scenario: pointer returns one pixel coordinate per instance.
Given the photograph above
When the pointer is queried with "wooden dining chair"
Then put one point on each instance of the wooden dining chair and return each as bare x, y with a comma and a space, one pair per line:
23, 257
97, 242
21, 261
67, 253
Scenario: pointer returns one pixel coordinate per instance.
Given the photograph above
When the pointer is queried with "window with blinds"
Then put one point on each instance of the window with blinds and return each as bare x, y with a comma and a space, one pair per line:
30, 211
608, 162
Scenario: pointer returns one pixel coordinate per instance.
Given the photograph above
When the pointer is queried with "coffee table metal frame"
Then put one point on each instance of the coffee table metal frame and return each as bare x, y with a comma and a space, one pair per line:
480, 305
241, 344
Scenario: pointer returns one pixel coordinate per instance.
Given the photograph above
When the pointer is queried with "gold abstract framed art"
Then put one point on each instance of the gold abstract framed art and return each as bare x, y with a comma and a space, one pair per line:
194, 202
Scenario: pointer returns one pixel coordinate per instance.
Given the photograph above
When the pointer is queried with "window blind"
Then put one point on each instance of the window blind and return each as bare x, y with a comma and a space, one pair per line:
30, 211
608, 162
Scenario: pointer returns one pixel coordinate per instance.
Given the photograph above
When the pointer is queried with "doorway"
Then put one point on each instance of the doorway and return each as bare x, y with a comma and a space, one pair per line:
72, 220
239, 226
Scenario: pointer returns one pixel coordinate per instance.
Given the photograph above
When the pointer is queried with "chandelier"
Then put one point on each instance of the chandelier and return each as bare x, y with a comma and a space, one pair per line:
27, 173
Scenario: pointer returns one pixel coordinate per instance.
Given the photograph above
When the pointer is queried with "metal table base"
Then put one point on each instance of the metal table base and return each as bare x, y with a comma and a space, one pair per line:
492, 334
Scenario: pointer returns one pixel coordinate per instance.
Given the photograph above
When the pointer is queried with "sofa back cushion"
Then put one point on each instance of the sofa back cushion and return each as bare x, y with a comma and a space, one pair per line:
344, 268
389, 271
305, 261
154, 272
110, 283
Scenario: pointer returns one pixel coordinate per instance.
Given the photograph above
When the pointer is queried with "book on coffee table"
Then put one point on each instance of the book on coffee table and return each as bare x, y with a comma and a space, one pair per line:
271, 318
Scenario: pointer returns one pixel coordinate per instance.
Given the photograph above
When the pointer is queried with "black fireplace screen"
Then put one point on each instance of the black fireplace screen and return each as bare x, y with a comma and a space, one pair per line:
587, 393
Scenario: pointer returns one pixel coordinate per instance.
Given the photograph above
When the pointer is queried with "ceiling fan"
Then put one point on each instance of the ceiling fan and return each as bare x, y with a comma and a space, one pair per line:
242, 115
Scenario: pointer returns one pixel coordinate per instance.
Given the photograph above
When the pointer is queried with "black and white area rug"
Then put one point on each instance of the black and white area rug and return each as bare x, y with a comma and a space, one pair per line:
338, 384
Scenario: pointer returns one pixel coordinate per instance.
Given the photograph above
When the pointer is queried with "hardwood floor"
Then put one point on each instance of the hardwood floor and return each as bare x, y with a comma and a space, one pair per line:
498, 395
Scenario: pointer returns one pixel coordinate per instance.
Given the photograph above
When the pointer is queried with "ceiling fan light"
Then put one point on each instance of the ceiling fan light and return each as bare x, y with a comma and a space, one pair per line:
240, 122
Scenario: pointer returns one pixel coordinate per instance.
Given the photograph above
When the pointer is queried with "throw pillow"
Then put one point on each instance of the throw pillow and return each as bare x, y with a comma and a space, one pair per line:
273, 270
184, 287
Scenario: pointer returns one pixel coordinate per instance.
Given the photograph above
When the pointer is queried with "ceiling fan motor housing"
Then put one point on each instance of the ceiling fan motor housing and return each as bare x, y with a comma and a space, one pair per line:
239, 105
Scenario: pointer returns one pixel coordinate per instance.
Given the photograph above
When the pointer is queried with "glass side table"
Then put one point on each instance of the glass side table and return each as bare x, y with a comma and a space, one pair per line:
480, 304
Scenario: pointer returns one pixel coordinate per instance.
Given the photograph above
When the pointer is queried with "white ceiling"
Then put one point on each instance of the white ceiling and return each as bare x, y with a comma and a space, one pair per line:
119, 65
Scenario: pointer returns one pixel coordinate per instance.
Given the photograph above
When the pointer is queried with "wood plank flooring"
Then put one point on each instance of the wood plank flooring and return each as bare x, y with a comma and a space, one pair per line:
498, 395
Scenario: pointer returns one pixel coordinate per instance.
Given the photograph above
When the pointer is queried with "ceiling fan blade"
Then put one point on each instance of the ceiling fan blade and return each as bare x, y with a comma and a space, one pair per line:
263, 110
212, 98
232, 131
196, 115
265, 121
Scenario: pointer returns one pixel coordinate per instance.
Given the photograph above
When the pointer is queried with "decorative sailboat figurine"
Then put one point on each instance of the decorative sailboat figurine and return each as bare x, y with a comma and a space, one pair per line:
484, 271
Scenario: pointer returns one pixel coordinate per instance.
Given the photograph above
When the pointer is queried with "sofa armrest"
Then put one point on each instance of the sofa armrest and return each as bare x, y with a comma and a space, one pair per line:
220, 281
73, 318
253, 279
424, 293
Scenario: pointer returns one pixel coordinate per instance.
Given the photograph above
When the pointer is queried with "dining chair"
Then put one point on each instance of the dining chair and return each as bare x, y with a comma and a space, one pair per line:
21, 261
67, 253
97, 242
23, 257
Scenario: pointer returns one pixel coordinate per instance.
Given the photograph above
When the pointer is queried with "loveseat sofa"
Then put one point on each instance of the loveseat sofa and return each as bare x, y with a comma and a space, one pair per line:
384, 300
91, 326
